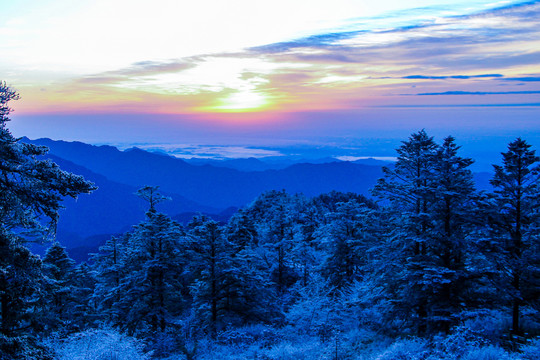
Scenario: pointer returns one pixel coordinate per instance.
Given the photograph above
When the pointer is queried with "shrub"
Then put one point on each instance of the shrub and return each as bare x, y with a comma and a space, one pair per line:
309, 350
410, 349
488, 353
100, 345
531, 351
262, 335
488, 324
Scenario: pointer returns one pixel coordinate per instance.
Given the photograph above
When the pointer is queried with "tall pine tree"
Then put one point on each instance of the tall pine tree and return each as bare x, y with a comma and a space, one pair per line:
31, 191
517, 200
425, 260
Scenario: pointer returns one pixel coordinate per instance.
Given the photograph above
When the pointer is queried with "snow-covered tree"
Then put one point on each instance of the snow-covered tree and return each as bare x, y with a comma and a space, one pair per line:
517, 202
452, 273
409, 187
31, 191
149, 291
346, 240
274, 215
247, 287
138, 275
108, 269
58, 271
208, 258
84, 310
425, 256
306, 253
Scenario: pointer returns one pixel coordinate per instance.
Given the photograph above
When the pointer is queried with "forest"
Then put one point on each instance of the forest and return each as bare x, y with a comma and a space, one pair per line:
428, 267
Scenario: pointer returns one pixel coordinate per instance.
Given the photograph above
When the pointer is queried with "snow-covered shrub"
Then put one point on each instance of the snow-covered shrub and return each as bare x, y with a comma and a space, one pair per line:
488, 353
488, 324
100, 345
531, 351
313, 309
457, 344
260, 334
530, 319
363, 341
165, 344
308, 350
301, 348
410, 349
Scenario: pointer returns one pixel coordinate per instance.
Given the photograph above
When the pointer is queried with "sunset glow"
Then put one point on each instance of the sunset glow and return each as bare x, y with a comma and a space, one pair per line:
245, 62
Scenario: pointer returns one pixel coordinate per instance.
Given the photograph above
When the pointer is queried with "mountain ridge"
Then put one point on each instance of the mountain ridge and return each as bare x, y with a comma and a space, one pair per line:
210, 185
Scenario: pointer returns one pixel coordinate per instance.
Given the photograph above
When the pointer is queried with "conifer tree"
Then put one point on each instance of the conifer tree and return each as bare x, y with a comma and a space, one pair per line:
31, 191
247, 287
425, 259
452, 274
139, 285
58, 271
409, 187
208, 256
346, 240
517, 201
274, 215
84, 310
108, 269
149, 292
306, 253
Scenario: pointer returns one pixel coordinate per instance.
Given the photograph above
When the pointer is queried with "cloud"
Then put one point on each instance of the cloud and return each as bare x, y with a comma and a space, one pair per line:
369, 62
443, 77
186, 151
479, 93
150, 67
502, 105
314, 41
141, 68
524, 78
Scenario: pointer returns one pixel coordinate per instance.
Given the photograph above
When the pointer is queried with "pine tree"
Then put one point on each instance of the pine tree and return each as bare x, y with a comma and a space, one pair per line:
138, 275
84, 310
426, 262
274, 215
517, 200
306, 252
31, 191
208, 256
346, 239
108, 269
409, 187
58, 271
20, 285
247, 287
452, 275
150, 291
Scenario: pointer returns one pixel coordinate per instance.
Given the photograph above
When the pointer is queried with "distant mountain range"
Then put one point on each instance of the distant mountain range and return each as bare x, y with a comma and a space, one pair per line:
274, 162
209, 185
216, 188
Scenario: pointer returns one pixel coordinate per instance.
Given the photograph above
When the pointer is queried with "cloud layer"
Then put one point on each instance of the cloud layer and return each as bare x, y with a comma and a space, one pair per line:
365, 64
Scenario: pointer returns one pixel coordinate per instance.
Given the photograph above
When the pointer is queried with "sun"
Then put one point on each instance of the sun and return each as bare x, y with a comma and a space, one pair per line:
242, 101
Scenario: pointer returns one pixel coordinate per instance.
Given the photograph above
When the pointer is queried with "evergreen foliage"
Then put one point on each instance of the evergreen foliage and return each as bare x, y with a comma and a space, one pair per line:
432, 202
140, 289
515, 227
31, 191
58, 290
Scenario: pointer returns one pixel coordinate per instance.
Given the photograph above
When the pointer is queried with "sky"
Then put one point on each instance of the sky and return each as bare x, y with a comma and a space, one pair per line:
333, 78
